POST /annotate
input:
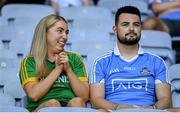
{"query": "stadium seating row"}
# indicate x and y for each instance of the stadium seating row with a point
(90, 35)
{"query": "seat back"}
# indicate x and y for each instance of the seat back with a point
(12, 109)
(91, 12)
(18, 13)
(113, 5)
(13, 87)
(140, 110)
(158, 43)
(67, 109)
(104, 25)
(6, 99)
(175, 98)
(35, 11)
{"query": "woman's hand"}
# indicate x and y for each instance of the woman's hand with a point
(64, 60)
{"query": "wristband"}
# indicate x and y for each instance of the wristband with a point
(155, 106)
(116, 107)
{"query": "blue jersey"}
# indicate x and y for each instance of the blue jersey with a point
(129, 82)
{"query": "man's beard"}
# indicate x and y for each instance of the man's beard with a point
(128, 41)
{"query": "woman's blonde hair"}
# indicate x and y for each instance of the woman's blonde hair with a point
(39, 43)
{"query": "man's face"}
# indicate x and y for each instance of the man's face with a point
(128, 30)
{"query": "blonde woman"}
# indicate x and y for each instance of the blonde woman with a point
(50, 75)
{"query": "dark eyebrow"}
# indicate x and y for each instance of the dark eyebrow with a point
(124, 22)
(137, 22)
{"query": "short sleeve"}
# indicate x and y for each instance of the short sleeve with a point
(97, 75)
(78, 66)
(161, 71)
(27, 71)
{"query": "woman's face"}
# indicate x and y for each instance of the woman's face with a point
(57, 37)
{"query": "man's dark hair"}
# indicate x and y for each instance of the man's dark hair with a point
(127, 9)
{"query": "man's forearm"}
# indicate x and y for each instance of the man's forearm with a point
(100, 103)
(104, 104)
(161, 8)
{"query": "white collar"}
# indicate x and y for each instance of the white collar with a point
(117, 52)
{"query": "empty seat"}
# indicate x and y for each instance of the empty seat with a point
(175, 97)
(91, 12)
(7, 74)
(6, 35)
(6, 99)
(24, 33)
(85, 34)
(3, 21)
(13, 87)
(17, 92)
(91, 50)
(1, 84)
(67, 109)
(21, 21)
(113, 5)
(18, 32)
(174, 76)
(140, 110)
(159, 43)
(104, 25)
(12, 109)
(35, 11)
(1, 45)
(8, 59)
(21, 47)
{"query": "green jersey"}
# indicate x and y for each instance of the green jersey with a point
(61, 89)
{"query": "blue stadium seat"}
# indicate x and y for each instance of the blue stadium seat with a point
(67, 109)
(35, 11)
(90, 50)
(12, 86)
(6, 100)
(17, 38)
(174, 75)
(175, 97)
(20, 99)
(174, 78)
(6, 35)
(8, 61)
(113, 5)
(139, 110)
(21, 21)
(104, 25)
(1, 84)
(1, 45)
(21, 47)
(12, 109)
(91, 12)
(3, 21)
(158, 43)
(86, 34)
